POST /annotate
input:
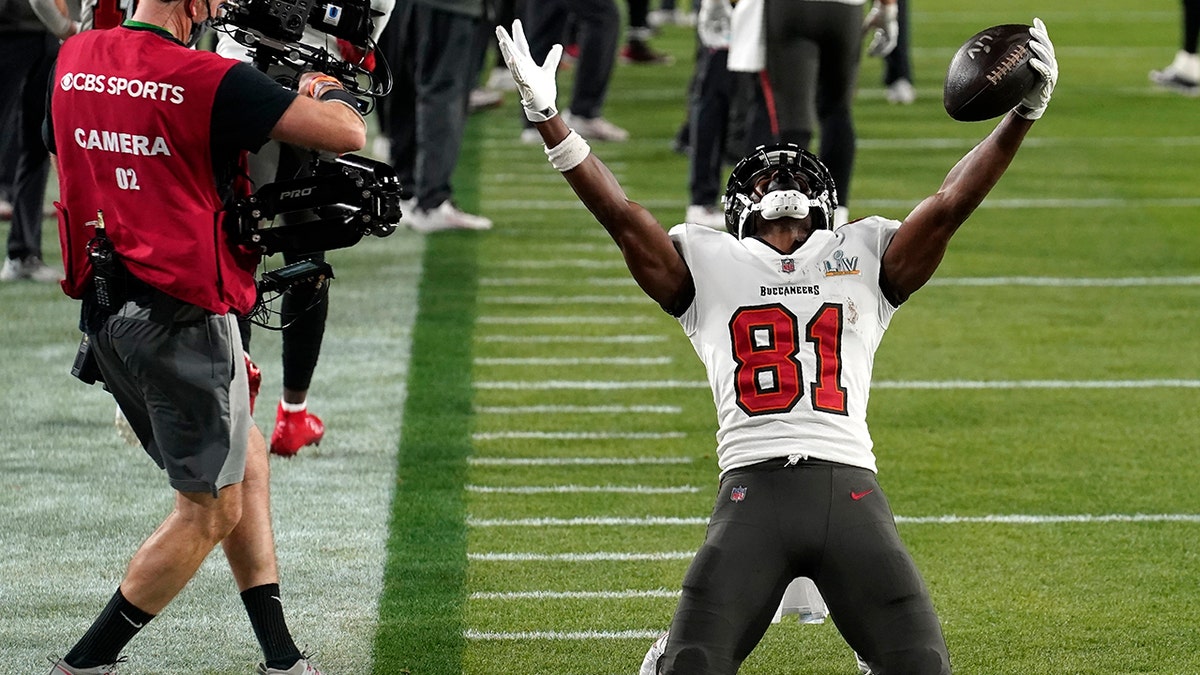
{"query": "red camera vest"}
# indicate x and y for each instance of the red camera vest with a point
(132, 114)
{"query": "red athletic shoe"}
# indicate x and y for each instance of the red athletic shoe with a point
(254, 380)
(294, 430)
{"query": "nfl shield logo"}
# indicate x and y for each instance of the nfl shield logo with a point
(738, 494)
(787, 265)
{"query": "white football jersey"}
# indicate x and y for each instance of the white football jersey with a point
(789, 339)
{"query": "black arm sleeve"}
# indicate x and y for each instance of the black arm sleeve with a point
(248, 105)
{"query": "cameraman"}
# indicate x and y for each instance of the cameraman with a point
(148, 135)
(304, 307)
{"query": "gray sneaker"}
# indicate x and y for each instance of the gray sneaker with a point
(302, 667)
(596, 128)
(446, 216)
(60, 667)
(31, 268)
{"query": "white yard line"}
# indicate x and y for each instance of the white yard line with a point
(555, 320)
(557, 635)
(951, 519)
(582, 489)
(581, 557)
(579, 409)
(867, 204)
(575, 435)
(542, 385)
(575, 461)
(576, 595)
(579, 361)
(563, 339)
(1050, 282)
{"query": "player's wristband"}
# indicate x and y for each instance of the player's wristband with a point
(569, 153)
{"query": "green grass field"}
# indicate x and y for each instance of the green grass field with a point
(519, 459)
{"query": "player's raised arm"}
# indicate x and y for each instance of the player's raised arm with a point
(648, 251)
(921, 241)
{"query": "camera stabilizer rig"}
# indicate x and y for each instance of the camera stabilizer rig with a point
(352, 197)
(347, 198)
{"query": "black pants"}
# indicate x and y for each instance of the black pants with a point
(813, 52)
(425, 115)
(775, 521)
(898, 64)
(598, 23)
(28, 58)
(726, 108)
(305, 307)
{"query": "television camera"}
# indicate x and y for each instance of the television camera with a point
(274, 30)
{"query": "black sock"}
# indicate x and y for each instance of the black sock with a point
(266, 616)
(112, 630)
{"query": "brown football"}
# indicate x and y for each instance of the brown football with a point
(990, 74)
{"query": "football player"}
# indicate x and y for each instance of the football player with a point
(786, 313)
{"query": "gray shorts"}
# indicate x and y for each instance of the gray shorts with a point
(829, 522)
(180, 379)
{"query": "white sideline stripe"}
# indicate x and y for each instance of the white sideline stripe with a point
(1066, 282)
(575, 461)
(575, 595)
(577, 489)
(586, 409)
(567, 339)
(885, 384)
(554, 320)
(472, 634)
(1003, 519)
(587, 360)
(558, 299)
(575, 435)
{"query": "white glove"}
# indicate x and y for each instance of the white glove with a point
(535, 83)
(714, 23)
(885, 21)
(1043, 61)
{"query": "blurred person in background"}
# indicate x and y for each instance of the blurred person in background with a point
(428, 46)
(812, 54)
(637, 47)
(27, 51)
(598, 27)
(1183, 74)
(897, 65)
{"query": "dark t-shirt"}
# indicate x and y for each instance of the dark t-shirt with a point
(247, 106)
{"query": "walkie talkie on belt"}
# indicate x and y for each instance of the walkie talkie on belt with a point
(108, 277)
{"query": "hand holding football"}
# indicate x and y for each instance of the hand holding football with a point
(990, 74)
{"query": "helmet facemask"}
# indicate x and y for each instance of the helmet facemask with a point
(799, 186)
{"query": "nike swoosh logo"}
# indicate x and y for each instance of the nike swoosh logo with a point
(859, 495)
(131, 621)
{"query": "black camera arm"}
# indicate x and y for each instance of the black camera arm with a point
(352, 196)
